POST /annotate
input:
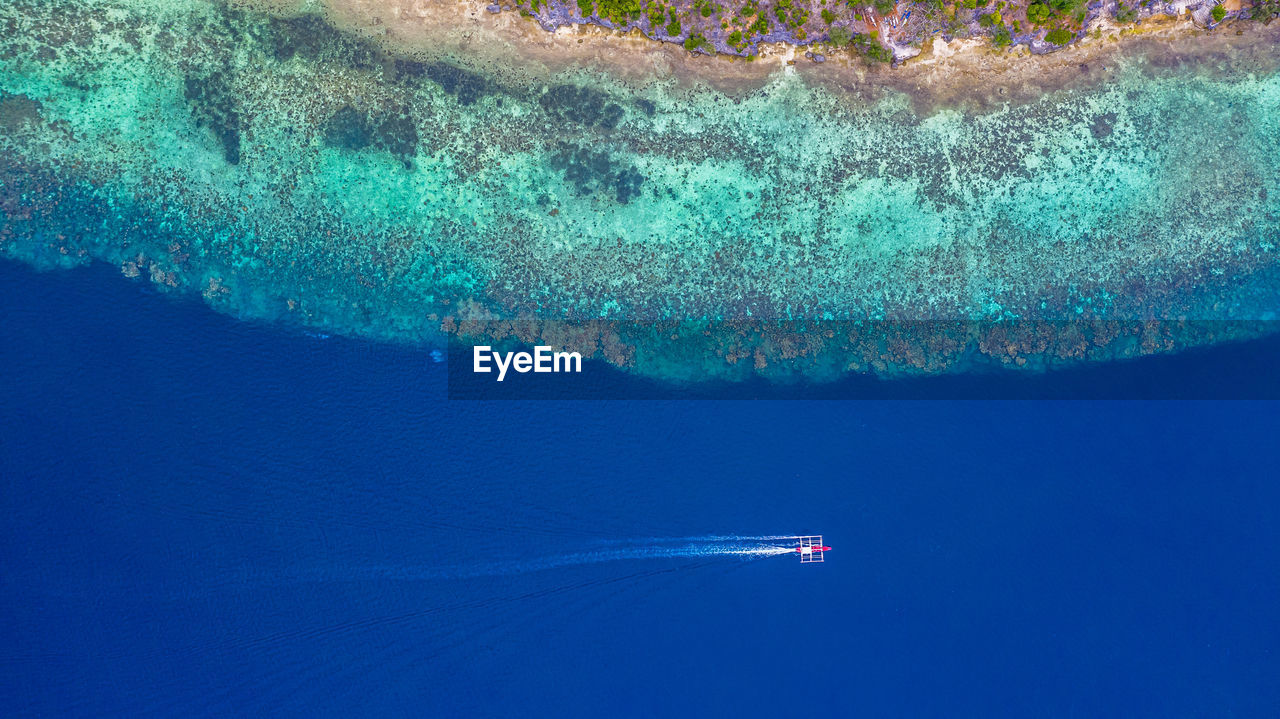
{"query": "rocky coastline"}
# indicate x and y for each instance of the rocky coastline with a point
(892, 36)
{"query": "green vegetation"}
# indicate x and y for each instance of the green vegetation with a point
(1265, 9)
(695, 41)
(1059, 36)
(879, 53)
(744, 20)
(791, 17)
(620, 12)
(1218, 13)
(1041, 12)
(870, 46)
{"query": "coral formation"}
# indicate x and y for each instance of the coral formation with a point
(289, 171)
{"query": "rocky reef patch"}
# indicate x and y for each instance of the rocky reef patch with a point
(286, 170)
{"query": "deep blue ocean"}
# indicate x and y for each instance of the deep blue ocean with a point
(210, 517)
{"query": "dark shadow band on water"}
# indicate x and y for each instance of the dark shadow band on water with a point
(1243, 369)
(94, 310)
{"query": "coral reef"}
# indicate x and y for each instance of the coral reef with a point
(285, 170)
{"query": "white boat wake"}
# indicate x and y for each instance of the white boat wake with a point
(707, 549)
(702, 550)
(675, 548)
(707, 538)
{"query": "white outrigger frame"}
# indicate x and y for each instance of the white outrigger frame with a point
(807, 555)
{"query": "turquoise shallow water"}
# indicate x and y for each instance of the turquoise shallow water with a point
(288, 171)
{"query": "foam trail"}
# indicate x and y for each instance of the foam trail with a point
(704, 538)
(739, 550)
(650, 552)
(664, 548)
(715, 549)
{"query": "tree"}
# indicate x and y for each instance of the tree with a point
(1059, 36)
(694, 41)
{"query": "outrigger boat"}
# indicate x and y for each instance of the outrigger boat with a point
(812, 549)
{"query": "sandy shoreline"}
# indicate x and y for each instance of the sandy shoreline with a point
(962, 73)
